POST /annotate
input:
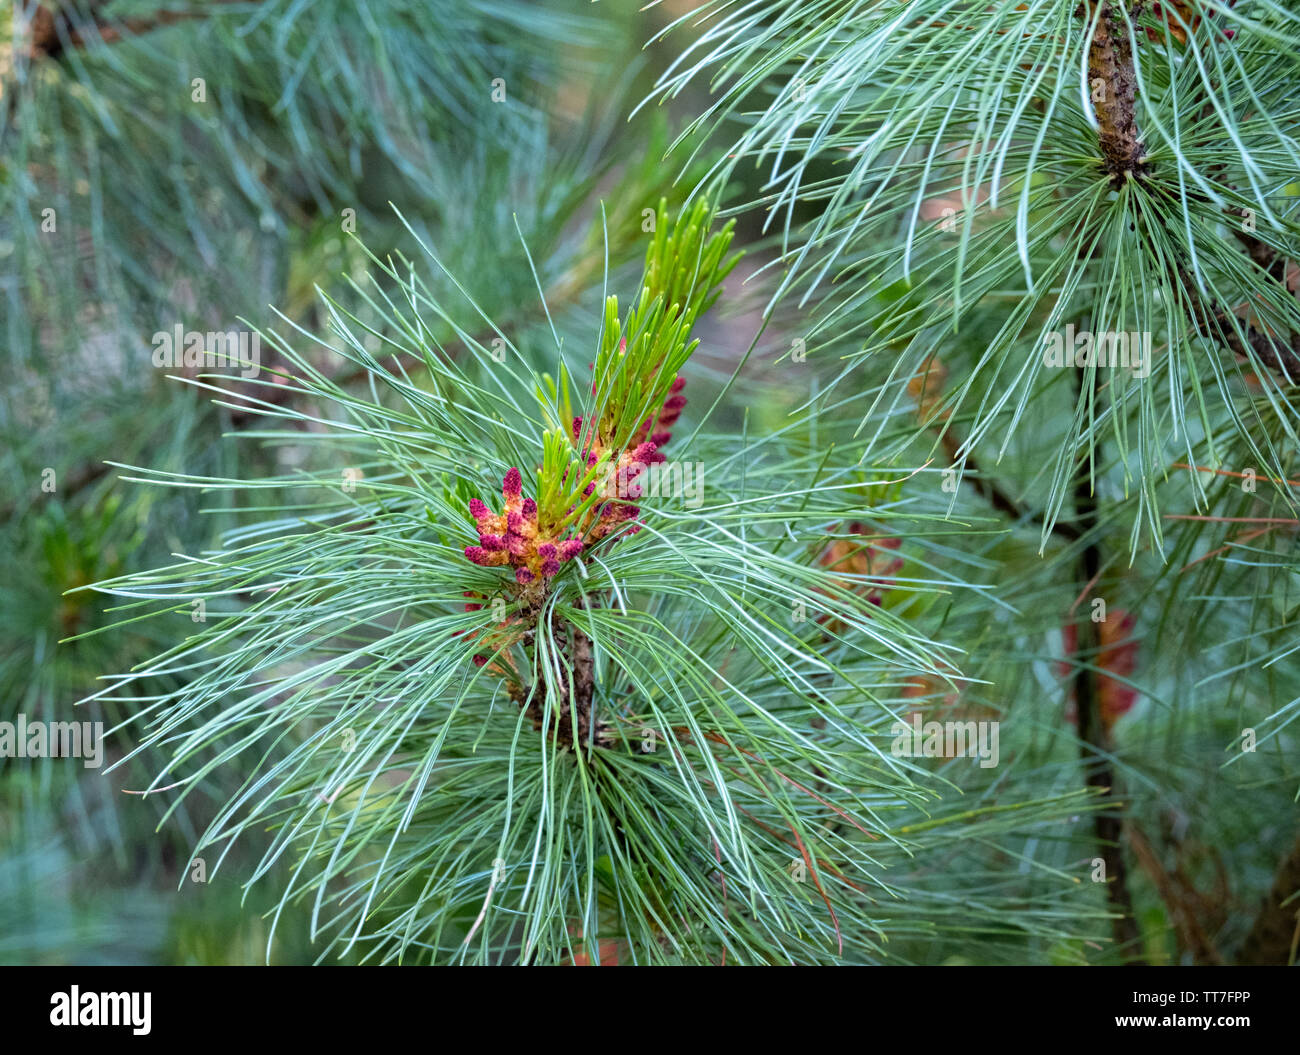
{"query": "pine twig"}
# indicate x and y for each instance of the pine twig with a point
(1094, 749)
(52, 29)
(1184, 904)
(1110, 62)
(987, 488)
(574, 721)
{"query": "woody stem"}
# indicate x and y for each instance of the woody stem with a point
(1114, 83)
(573, 722)
(1094, 747)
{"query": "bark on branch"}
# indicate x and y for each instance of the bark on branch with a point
(573, 722)
(56, 28)
(1113, 78)
(1094, 746)
(1114, 93)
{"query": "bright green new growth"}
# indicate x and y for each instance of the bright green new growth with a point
(562, 482)
(684, 270)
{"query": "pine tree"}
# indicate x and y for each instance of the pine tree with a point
(1065, 234)
(497, 618)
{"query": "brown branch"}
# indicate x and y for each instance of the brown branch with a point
(1273, 937)
(563, 294)
(56, 28)
(79, 478)
(1113, 74)
(987, 488)
(574, 720)
(1260, 252)
(926, 387)
(1188, 910)
(1094, 746)
(1280, 356)
(1110, 62)
(1277, 355)
(287, 394)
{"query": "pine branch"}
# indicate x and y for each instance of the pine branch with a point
(51, 30)
(1110, 62)
(54, 28)
(1094, 748)
(572, 721)
(1111, 65)
(926, 388)
(1280, 356)
(988, 488)
(1264, 255)
(1183, 903)
(77, 480)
